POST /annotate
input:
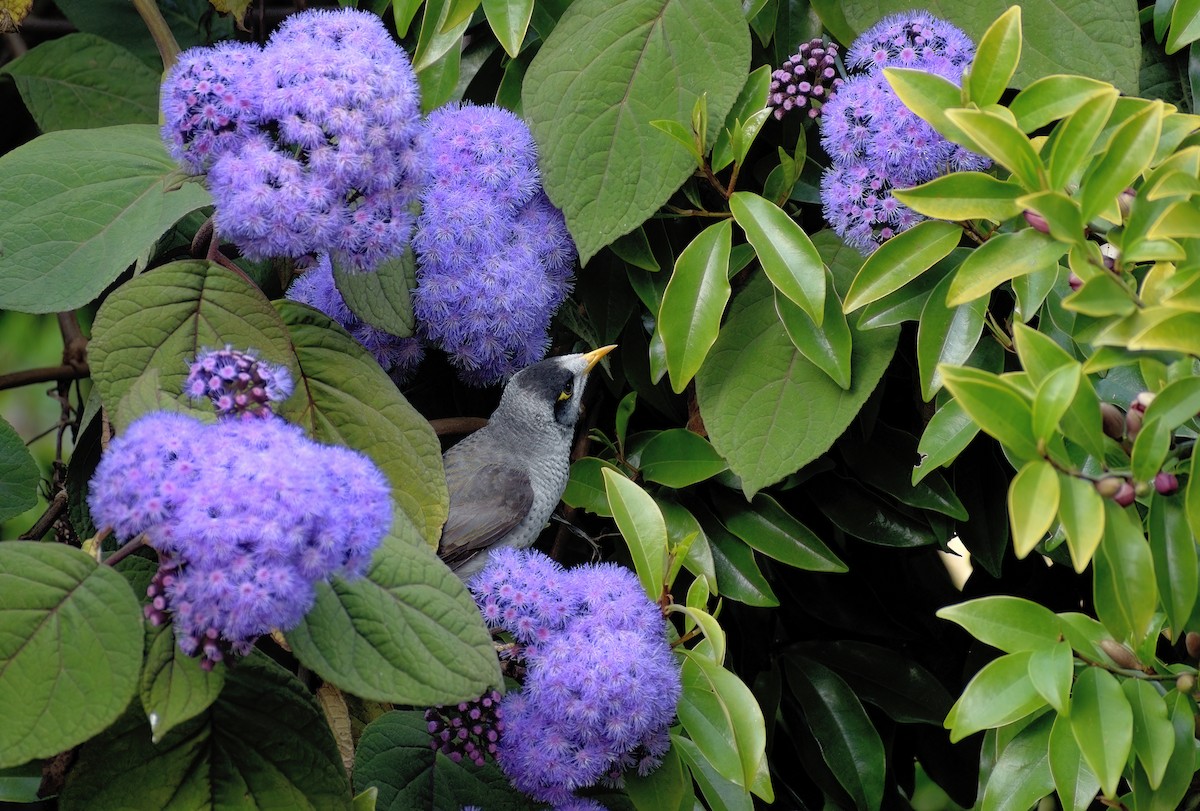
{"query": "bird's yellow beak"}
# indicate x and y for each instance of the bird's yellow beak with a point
(594, 356)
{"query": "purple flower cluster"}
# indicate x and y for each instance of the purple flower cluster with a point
(494, 256)
(308, 144)
(601, 682)
(875, 142)
(316, 288)
(469, 729)
(237, 383)
(808, 78)
(246, 515)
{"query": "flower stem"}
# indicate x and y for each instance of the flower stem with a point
(168, 48)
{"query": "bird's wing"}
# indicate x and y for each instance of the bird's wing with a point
(486, 503)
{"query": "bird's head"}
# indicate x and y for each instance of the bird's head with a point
(551, 391)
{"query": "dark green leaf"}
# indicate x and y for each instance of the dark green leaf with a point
(1102, 723)
(1021, 776)
(828, 346)
(1127, 156)
(770, 529)
(903, 258)
(1153, 735)
(678, 458)
(585, 488)
(1182, 766)
(642, 525)
(19, 474)
(1176, 568)
(996, 406)
(509, 20)
(173, 686)
(787, 255)
(694, 301)
(945, 437)
(1074, 780)
(719, 792)
(864, 515)
(1001, 258)
(667, 788)
(1124, 587)
(738, 575)
(946, 335)
(383, 297)
(1050, 670)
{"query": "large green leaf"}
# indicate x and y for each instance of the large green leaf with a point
(829, 346)
(191, 21)
(787, 255)
(608, 70)
(678, 457)
(263, 744)
(1124, 588)
(1074, 780)
(1000, 693)
(173, 686)
(1021, 776)
(80, 81)
(1102, 723)
(720, 792)
(70, 648)
(945, 437)
(643, 527)
(1001, 258)
(1088, 37)
(408, 632)
(770, 529)
(19, 474)
(1011, 624)
(1153, 734)
(768, 410)
(383, 297)
(946, 335)
(903, 258)
(997, 406)
(962, 196)
(106, 192)
(694, 301)
(996, 59)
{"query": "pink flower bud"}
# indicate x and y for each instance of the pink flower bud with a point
(1166, 483)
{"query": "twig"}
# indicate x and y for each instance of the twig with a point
(25, 377)
(40, 527)
(453, 426)
(126, 550)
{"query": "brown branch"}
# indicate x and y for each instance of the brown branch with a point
(453, 426)
(26, 377)
(126, 550)
(40, 527)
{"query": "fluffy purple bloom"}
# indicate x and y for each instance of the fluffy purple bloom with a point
(209, 103)
(807, 79)
(246, 515)
(316, 288)
(237, 383)
(913, 39)
(494, 257)
(601, 681)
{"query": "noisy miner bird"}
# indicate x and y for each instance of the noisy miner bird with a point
(506, 478)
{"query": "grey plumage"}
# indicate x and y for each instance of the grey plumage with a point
(506, 478)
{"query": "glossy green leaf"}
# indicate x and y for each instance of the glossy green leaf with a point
(1054, 396)
(70, 648)
(1124, 588)
(996, 58)
(664, 789)
(81, 80)
(1176, 333)
(849, 742)
(713, 633)
(1032, 504)
(681, 525)
(930, 96)
(1074, 780)
(1176, 568)
(1021, 775)
(608, 69)
(1000, 140)
(1061, 213)
(901, 259)
(690, 316)
(173, 686)
(718, 791)
(769, 528)
(382, 298)
(998, 409)
(1127, 156)
(1031, 291)
(1101, 296)
(1011, 624)
(946, 436)
(738, 575)
(788, 256)
(827, 346)
(751, 99)
(1001, 258)
(585, 488)
(1150, 449)
(442, 27)
(1153, 734)
(678, 457)
(361, 634)
(1050, 670)
(19, 474)
(768, 410)
(106, 191)
(946, 335)
(1075, 136)
(1185, 25)
(1081, 511)
(1102, 723)
(642, 525)
(1177, 403)
(509, 20)
(861, 513)
(1181, 768)
(999, 694)
(961, 196)
(1053, 97)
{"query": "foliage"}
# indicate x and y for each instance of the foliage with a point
(784, 447)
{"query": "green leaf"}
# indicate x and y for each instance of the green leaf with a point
(80, 81)
(724, 720)
(1150, 449)
(681, 525)
(751, 99)
(946, 335)
(1153, 734)
(945, 437)
(997, 407)
(642, 525)
(664, 789)
(1054, 396)
(408, 632)
(768, 410)
(70, 648)
(1011, 624)
(719, 792)
(902, 258)
(875, 519)
(788, 256)
(1177, 403)
(930, 96)
(827, 346)
(383, 297)
(769, 528)
(263, 744)
(394, 757)
(690, 316)
(961, 196)
(1102, 723)
(1081, 511)
(1126, 156)
(1001, 258)
(1123, 582)
(1062, 214)
(585, 488)
(602, 75)
(509, 20)
(1074, 137)
(679, 458)
(1182, 765)
(1185, 25)
(174, 688)
(119, 22)
(1100, 297)
(19, 474)
(1032, 504)
(1050, 670)
(996, 59)
(738, 575)
(1074, 780)
(1176, 568)
(442, 27)
(106, 191)
(1053, 97)
(849, 742)
(1000, 140)
(1000, 693)
(1021, 775)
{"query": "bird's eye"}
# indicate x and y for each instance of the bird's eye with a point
(565, 394)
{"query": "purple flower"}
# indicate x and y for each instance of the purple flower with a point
(209, 103)
(237, 383)
(468, 730)
(806, 79)
(914, 39)
(494, 256)
(315, 287)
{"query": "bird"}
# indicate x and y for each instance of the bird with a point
(506, 478)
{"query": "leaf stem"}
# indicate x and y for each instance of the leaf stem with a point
(160, 32)
(126, 550)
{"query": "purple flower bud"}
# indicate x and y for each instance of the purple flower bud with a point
(1166, 483)
(1036, 221)
(1125, 494)
(804, 78)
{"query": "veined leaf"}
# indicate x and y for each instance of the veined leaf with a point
(788, 256)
